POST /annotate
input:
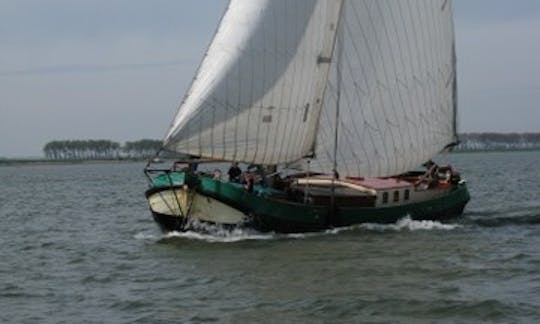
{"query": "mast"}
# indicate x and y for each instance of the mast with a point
(339, 48)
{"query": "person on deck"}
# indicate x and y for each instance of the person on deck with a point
(249, 182)
(234, 172)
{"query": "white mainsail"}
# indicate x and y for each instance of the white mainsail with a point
(397, 86)
(266, 91)
(259, 91)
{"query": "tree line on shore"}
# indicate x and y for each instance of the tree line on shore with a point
(498, 141)
(147, 148)
(100, 149)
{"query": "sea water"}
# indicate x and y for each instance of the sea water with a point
(78, 245)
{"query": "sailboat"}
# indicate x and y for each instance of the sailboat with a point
(340, 107)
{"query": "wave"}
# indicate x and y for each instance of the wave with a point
(408, 224)
(219, 234)
(145, 236)
(498, 221)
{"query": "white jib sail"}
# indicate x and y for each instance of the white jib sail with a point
(397, 106)
(258, 93)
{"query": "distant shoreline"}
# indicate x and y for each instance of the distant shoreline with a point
(536, 149)
(40, 162)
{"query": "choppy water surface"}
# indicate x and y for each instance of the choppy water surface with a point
(77, 244)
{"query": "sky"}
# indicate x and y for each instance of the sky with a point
(118, 69)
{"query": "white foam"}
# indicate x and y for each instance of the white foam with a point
(409, 224)
(215, 233)
(145, 236)
(222, 235)
(218, 234)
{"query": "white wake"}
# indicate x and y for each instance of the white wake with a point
(219, 234)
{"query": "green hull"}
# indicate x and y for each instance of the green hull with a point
(268, 213)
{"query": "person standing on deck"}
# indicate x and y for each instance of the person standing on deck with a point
(234, 172)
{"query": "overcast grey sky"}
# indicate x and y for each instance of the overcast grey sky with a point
(117, 69)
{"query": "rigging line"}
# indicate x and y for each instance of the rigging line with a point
(307, 89)
(335, 35)
(377, 43)
(356, 48)
(323, 134)
(341, 155)
(227, 126)
(295, 66)
(454, 64)
(324, 155)
(373, 65)
(306, 191)
(190, 132)
(283, 88)
(250, 109)
(237, 113)
(190, 197)
(345, 136)
(171, 187)
(350, 102)
(436, 16)
(346, 96)
(391, 55)
(306, 86)
(454, 71)
(167, 203)
(429, 51)
(216, 103)
(428, 86)
(455, 97)
(263, 85)
(367, 95)
(194, 79)
(212, 145)
(271, 92)
(321, 41)
(310, 85)
(325, 145)
(437, 19)
(304, 26)
(339, 44)
(418, 95)
(284, 85)
(200, 136)
(409, 64)
(401, 63)
(211, 84)
(301, 25)
(317, 102)
(226, 122)
(325, 129)
(322, 101)
(327, 41)
(154, 157)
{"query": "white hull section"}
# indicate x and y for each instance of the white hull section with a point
(195, 206)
